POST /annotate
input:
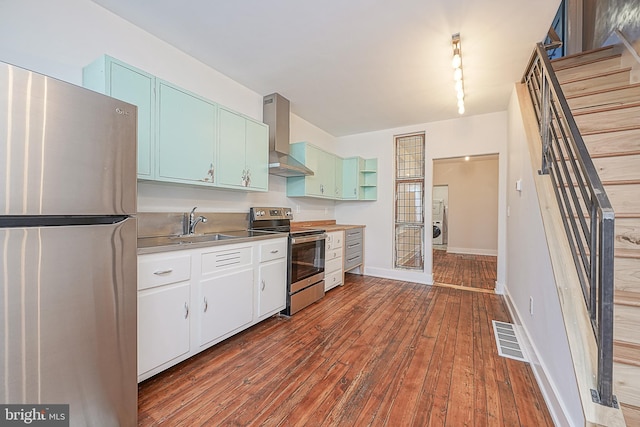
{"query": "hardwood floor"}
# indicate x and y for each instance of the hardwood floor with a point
(372, 352)
(474, 271)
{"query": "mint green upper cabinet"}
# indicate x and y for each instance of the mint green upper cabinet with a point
(126, 83)
(360, 179)
(186, 136)
(322, 183)
(338, 177)
(243, 151)
(350, 178)
(257, 154)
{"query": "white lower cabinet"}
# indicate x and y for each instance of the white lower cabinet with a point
(191, 299)
(226, 304)
(163, 325)
(333, 272)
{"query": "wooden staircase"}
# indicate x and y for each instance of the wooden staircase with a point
(603, 92)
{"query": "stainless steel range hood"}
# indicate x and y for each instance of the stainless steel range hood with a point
(275, 113)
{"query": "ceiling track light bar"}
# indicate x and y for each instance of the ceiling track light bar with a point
(456, 62)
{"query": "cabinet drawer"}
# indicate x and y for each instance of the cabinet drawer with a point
(334, 240)
(220, 260)
(163, 269)
(353, 234)
(353, 248)
(333, 254)
(332, 265)
(352, 261)
(273, 250)
(332, 280)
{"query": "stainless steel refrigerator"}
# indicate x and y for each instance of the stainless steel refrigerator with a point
(67, 249)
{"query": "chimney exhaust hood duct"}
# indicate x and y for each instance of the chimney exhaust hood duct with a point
(275, 113)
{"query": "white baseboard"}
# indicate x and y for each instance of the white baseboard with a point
(554, 401)
(472, 251)
(404, 275)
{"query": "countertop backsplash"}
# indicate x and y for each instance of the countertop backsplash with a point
(154, 224)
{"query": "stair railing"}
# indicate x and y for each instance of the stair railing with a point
(585, 208)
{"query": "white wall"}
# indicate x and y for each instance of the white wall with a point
(473, 135)
(529, 275)
(59, 38)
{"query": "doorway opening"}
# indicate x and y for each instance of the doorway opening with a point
(465, 210)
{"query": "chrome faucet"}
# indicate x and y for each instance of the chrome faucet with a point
(190, 221)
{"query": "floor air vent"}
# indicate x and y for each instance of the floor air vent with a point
(507, 341)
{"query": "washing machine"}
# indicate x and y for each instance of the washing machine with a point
(437, 233)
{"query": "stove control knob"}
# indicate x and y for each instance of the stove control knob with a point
(261, 213)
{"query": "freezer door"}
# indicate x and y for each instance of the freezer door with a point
(68, 298)
(64, 150)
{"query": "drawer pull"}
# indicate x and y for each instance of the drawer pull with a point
(163, 272)
(206, 304)
(263, 285)
(275, 251)
(351, 259)
(186, 310)
(353, 246)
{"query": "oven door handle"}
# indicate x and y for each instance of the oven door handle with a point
(307, 239)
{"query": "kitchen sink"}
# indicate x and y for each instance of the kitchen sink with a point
(199, 238)
(182, 241)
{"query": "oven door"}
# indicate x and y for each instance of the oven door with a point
(307, 259)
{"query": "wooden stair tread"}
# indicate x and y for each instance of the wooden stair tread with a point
(610, 80)
(594, 68)
(616, 142)
(611, 118)
(607, 130)
(603, 98)
(628, 298)
(627, 253)
(581, 55)
(588, 61)
(626, 352)
(614, 154)
(595, 76)
(607, 109)
(604, 90)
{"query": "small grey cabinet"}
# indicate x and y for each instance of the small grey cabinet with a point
(353, 248)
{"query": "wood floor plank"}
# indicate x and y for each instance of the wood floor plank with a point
(480, 413)
(372, 352)
(461, 392)
(439, 408)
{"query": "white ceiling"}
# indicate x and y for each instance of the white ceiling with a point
(351, 66)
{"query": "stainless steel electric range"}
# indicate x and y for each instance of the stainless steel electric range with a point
(305, 270)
